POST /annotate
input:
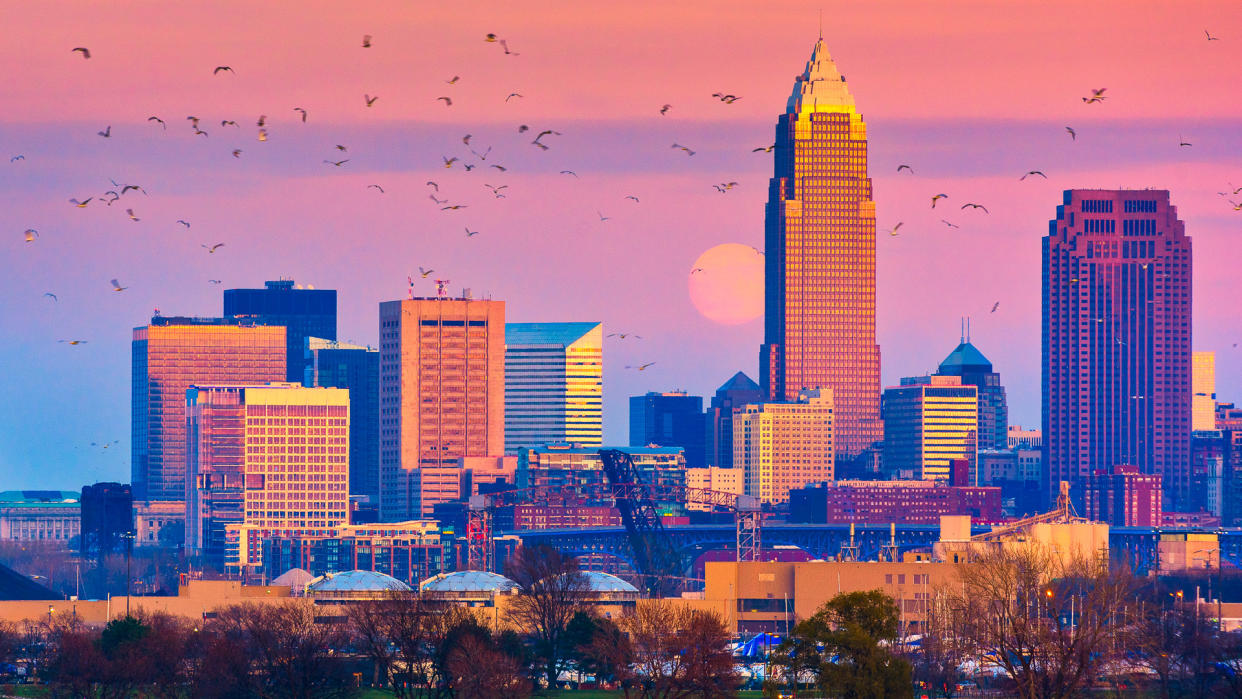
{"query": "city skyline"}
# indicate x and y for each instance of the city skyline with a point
(266, 204)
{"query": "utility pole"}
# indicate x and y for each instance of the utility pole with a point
(129, 579)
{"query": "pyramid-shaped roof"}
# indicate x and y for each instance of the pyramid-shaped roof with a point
(966, 357)
(821, 87)
(739, 382)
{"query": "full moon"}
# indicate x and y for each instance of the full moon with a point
(726, 284)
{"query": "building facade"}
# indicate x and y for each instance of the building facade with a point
(782, 446)
(170, 355)
(107, 517)
(819, 317)
(886, 502)
(40, 515)
(1019, 437)
(718, 432)
(408, 551)
(554, 384)
(928, 422)
(581, 469)
(303, 311)
(670, 419)
(1203, 384)
(275, 457)
(331, 364)
(442, 392)
(1124, 497)
(1116, 340)
(968, 364)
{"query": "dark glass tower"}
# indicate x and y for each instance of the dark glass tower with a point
(332, 364)
(820, 259)
(306, 312)
(974, 369)
(1116, 340)
(735, 393)
(672, 419)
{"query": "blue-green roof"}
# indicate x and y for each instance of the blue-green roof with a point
(965, 356)
(739, 382)
(603, 582)
(468, 581)
(546, 333)
(40, 497)
(356, 581)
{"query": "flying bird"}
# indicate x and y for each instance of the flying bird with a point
(448, 162)
(547, 132)
(1097, 95)
(31, 234)
(81, 204)
(763, 149)
(523, 128)
(448, 102)
(453, 80)
(1183, 142)
(433, 184)
(184, 223)
(17, 158)
(220, 69)
(640, 367)
(502, 168)
(262, 120)
(438, 201)
(1033, 172)
(337, 163)
(237, 152)
(905, 167)
(86, 53)
(137, 188)
(681, 147)
(539, 145)
(116, 285)
(696, 269)
(51, 295)
(454, 207)
(505, 45)
(161, 121)
(602, 217)
(214, 281)
(938, 197)
(1205, 32)
(107, 133)
(296, 109)
(483, 155)
(511, 95)
(366, 41)
(262, 134)
(496, 190)
(132, 217)
(199, 132)
(1073, 134)
(228, 122)
(370, 100)
(569, 172)
(727, 99)
(894, 231)
(664, 109)
(995, 306)
(631, 196)
(625, 335)
(212, 248)
(470, 233)
(950, 225)
(73, 342)
(1236, 205)
(976, 206)
(381, 189)
(425, 272)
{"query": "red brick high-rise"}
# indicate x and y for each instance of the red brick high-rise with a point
(1116, 340)
(820, 257)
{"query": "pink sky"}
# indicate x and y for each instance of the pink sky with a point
(971, 94)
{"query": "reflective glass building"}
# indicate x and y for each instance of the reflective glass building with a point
(820, 257)
(1116, 341)
(671, 419)
(305, 311)
(968, 363)
(332, 364)
(929, 421)
(554, 384)
(170, 355)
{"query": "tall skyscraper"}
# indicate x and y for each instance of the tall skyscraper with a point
(1116, 340)
(671, 419)
(275, 457)
(304, 311)
(819, 324)
(442, 392)
(968, 363)
(332, 364)
(554, 384)
(1203, 380)
(718, 431)
(170, 355)
(783, 446)
(929, 421)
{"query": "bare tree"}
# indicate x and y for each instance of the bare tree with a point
(676, 652)
(1049, 623)
(551, 590)
(480, 670)
(938, 659)
(402, 634)
(292, 649)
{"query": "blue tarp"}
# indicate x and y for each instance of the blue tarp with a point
(759, 646)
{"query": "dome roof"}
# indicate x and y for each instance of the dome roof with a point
(468, 581)
(356, 581)
(603, 582)
(295, 578)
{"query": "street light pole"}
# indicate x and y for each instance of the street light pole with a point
(129, 578)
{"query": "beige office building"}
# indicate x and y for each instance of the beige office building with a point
(1203, 383)
(782, 446)
(715, 478)
(442, 393)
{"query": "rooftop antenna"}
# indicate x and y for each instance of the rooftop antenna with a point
(410, 296)
(962, 339)
(441, 285)
(821, 24)
(968, 328)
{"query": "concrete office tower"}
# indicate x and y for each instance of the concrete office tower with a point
(968, 363)
(442, 392)
(928, 422)
(1203, 383)
(332, 364)
(170, 355)
(304, 310)
(718, 431)
(275, 457)
(783, 446)
(819, 317)
(1116, 340)
(554, 384)
(672, 419)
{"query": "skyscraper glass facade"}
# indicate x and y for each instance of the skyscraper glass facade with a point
(672, 419)
(968, 363)
(929, 421)
(554, 384)
(304, 311)
(1116, 361)
(333, 364)
(820, 257)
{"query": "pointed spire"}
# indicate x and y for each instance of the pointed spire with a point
(821, 87)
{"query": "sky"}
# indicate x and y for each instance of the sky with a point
(971, 95)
